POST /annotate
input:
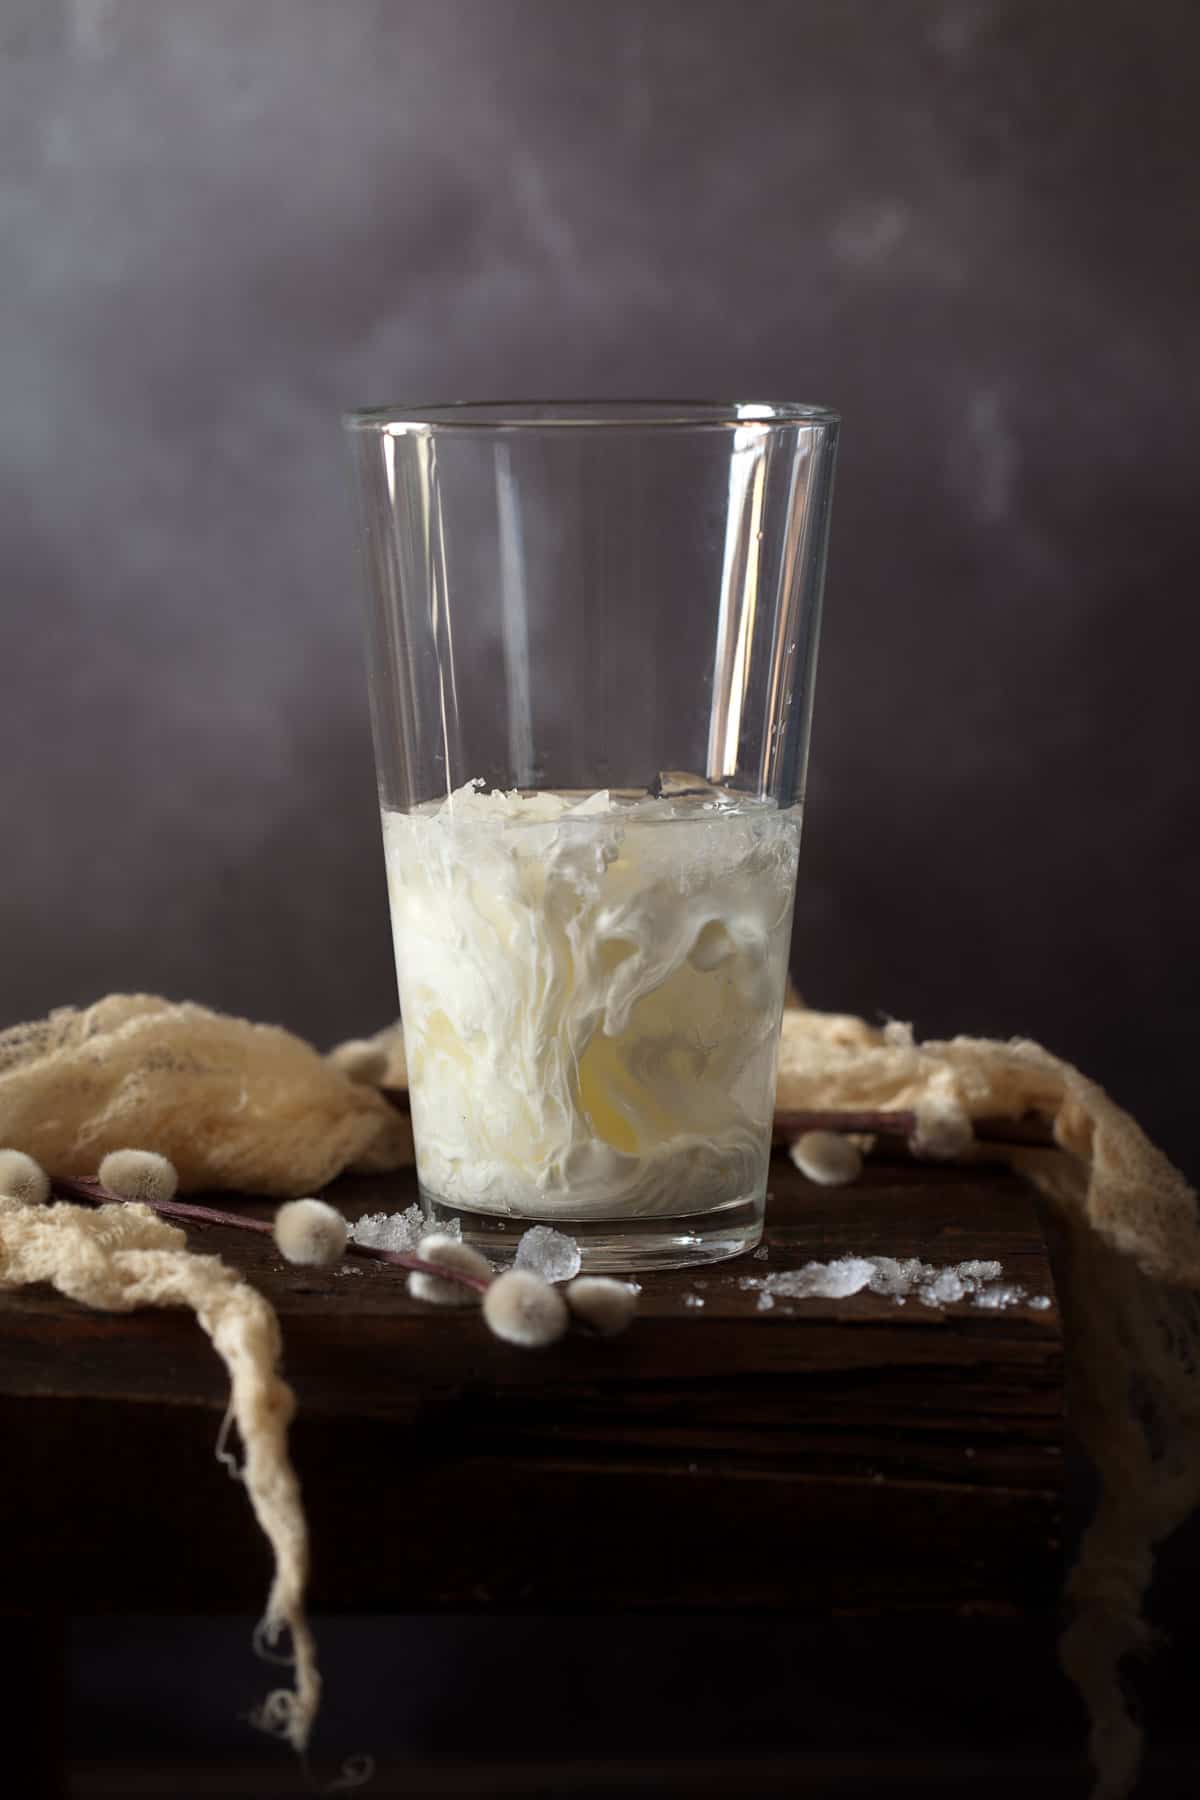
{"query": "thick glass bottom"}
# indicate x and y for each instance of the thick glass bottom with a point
(619, 1246)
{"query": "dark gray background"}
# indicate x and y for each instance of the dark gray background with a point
(972, 227)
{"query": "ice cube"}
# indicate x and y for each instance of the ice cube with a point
(549, 1253)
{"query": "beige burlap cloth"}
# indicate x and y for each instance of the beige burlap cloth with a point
(252, 1108)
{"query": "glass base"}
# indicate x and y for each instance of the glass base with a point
(618, 1246)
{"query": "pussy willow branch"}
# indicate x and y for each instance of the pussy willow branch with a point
(78, 1188)
(895, 1123)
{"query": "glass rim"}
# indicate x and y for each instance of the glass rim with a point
(586, 415)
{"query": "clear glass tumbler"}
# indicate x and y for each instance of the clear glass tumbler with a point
(592, 642)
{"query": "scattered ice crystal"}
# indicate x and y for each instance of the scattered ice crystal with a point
(896, 1278)
(400, 1231)
(693, 1299)
(826, 1281)
(999, 1295)
(549, 1253)
(1040, 1302)
(761, 1254)
(978, 1271)
(942, 1289)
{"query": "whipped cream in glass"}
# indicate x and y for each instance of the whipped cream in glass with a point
(591, 989)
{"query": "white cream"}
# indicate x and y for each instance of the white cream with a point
(591, 992)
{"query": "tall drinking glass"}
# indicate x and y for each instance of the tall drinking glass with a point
(592, 641)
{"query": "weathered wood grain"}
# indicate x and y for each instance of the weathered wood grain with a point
(848, 1454)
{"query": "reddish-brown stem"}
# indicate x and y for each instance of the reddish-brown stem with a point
(897, 1123)
(789, 1125)
(80, 1188)
(83, 1188)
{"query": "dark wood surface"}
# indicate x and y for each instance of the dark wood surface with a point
(847, 1454)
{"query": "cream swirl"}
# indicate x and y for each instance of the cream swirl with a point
(591, 991)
